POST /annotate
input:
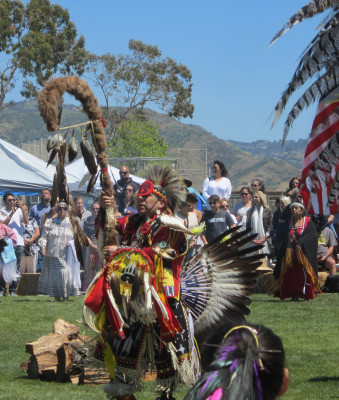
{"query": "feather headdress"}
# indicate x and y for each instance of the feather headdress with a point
(168, 185)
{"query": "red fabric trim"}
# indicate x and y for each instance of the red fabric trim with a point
(95, 297)
(322, 137)
(322, 115)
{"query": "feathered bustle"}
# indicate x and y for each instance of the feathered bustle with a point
(216, 282)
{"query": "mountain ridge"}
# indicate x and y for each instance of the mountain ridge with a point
(21, 123)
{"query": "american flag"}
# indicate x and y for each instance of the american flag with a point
(320, 174)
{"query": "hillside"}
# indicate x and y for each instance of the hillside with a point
(242, 165)
(21, 123)
(292, 152)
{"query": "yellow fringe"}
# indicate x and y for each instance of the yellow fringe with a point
(275, 284)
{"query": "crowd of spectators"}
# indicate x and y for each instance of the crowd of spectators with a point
(42, 238)
(285, 232)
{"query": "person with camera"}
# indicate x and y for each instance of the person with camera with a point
(14, 217)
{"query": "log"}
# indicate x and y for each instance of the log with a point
(62, 327)
(70, 357)
(49, 374)
(76, 379)
(43, 364)
(60, 357)
(33, 368)
(66, 357)
(96, 376)
(49, 342)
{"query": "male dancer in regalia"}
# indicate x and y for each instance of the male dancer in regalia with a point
(136, 299)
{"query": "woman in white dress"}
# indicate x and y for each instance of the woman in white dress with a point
(60, 275)
(219, 184)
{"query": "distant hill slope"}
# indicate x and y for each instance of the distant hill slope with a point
(292, 152)
(21, 123)
(243, 164)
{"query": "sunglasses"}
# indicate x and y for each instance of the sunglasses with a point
(224, 207)
(212, 203)
(254, 185)
(62, 208)
(10, 200)
(214, 167)
(244, 194)
(123, 172)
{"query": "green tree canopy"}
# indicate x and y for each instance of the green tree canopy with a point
(139, 78)
(37, 39)
(138, 138)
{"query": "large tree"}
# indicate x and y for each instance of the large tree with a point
(139, 78)
(37, 39)
(138, 138)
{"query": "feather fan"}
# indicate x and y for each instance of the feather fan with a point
(216, 282)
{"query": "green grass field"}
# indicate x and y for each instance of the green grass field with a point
(309, 331)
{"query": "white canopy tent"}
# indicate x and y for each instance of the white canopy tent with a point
(78, 169)
(23, 173)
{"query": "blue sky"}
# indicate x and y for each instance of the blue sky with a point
(237, 78)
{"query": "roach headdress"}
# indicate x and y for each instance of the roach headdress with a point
(165, 183)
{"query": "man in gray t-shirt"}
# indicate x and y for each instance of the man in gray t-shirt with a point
(217, 221)
(326, 245)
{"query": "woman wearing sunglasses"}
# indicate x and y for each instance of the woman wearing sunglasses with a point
(60, 275)
(217, 184)
(127, 204)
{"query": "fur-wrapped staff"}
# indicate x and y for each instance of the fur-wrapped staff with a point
(48, 99)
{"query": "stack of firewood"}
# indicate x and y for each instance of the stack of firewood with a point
(60, 356)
